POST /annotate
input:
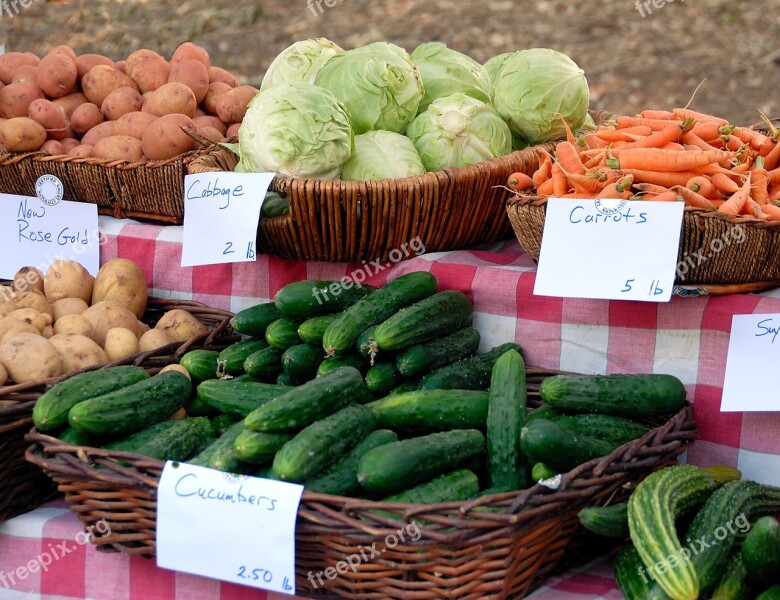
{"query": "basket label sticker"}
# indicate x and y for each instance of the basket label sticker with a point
(221, 216)
(229, 527)
(36, 234)
(754, 340)
(610, 249)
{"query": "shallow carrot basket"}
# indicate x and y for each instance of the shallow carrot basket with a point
(25, 487)
(495, 547)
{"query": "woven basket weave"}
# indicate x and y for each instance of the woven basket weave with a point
(711, 255)
(495, 547)
(24, 486)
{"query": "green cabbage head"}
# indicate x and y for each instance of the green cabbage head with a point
(457, 131)
(446, 72)
(297, 130)
(299, 62)
(379, 85)
(493, 66)
(382, 155)
(535, 88)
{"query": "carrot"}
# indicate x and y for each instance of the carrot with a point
(651, 188)
(595, 141)
(686, 113)
(520, 182)
(772, 211)
(673, 146)
(731, 142)
(596, 160)
(773, 176)
(712, 169)
(569, 135)
(774, 194)
(754, 209)
(546, 189)
(656, 159)
(654, 124)
(569, 158)
(619, 189)
(755, 139)
(665, 197)
(692, 198)
(622, 135)
(659, 114)
(772, 158)
(760, 183)
(670, 133)
(707, 131)
(560, 184)
(692, 139)
(703, 185)
(543, 172)
(663, 178)
(579, 195)
(723, 183)
(734, 205)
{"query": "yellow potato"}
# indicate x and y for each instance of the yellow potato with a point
(74, 324)
(119, 147)
(11, 327)
(6, 308)
(3, 374)
(47, 332)
(122, 281)
(57, 75)
(120, 102)
(30, 357)
(85, 117)
(181, 325)
(106, 315)
(165, 139)
(68, 306)
(77, 352)
(154, 339)
(178, 368)
(67, 279)
(141, 328)
(34, 300)
(22, 134)
(31, 316)
(170, 99)
(121, 343)
(101, 80)
(28, 279)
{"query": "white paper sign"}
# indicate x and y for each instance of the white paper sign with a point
(36, 234)
(611, 249)
(754, 346)
(229, 527)
(221, 215)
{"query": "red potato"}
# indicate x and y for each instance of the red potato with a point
(26, 74)
(199, 112)
(12, 61)
(171, 98)
(120, 102)
(209, 102)
(119, 147)
(209, 121)
(101, 80)
(69, 143)
(147, 69)
(194, 75)
(53, 147)
(57, 75)
(134, 124)
(71, 102)
(22, 134)
(15, 99)
(121, 65)
(48, 114)
(98, 132)
(211, 134)
(86, 61)
(164, 138)
(232, 130)
(220, 75)
(63, 50)
(190, 51)
(231, 105)
(81, 151)
(85, 117)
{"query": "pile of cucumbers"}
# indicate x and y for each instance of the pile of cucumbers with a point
(367, 392)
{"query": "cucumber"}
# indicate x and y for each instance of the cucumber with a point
(428, 411)
(223, 422)
(366, 344)
(407, 386)
(275, 206)
(469, 373)
(733, 585)
(629, 396)
(265, 364)
(169, 440)
(286, 380)
(426, 320)
(259, 448)
(310, 298)
(545, 411)
(451, 487)
(336, 362)
(761, 551)
(134, 407)
(340, 478)
(772, 593)
(198, 408)
(312, 330)
(632, 578)
(200, 364)
(221, 451)
(302, 361)
(254, 320)
(51, 410)
(399, 465)
(541, 471)
(238, 398)
(544, 441)
(505, 418)
(309, 402)
(606, 521)
(283, 334)
(264, 472)
(617, 430)
(323, 442)
(422, 358)
(382, 377)
(74, 437)
(407, 289)
(231, 359)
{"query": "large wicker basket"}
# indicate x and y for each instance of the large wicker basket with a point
(24, 486)
(498, 546)
(719, 254)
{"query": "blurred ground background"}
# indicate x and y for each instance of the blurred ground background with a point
(653, 58)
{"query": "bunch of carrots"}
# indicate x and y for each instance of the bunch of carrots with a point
(679, 155)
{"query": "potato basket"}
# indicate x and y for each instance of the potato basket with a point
(25, 487)
(497, 546)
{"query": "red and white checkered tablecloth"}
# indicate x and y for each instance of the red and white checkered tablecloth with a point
(687, 337)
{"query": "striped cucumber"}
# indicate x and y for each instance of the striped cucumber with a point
(422, 358)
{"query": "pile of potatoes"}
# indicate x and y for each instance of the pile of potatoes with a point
(89, 105)
(67, 320)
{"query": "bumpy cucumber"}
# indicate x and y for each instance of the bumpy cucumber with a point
(265, 364)
(312, 330)
(426, 320)
(259, 448)
(134, 407)
(428, 411)
(51, 410)
(382, 377)
(545, 441)
(310, 298)
(200, 364)
(422, 358)
(169, 440)
(617, 430)
(302, 361)
(254, 320)
(458, 485)
(340, 478)
(231, 359)
(323, 443)
(283, 334)
(470, 373)
(342, 334)
(336, 362)
(238, 397)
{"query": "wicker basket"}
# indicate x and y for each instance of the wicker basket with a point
(464, 550)
(151, 190)
(719, 254)
(24, 485)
